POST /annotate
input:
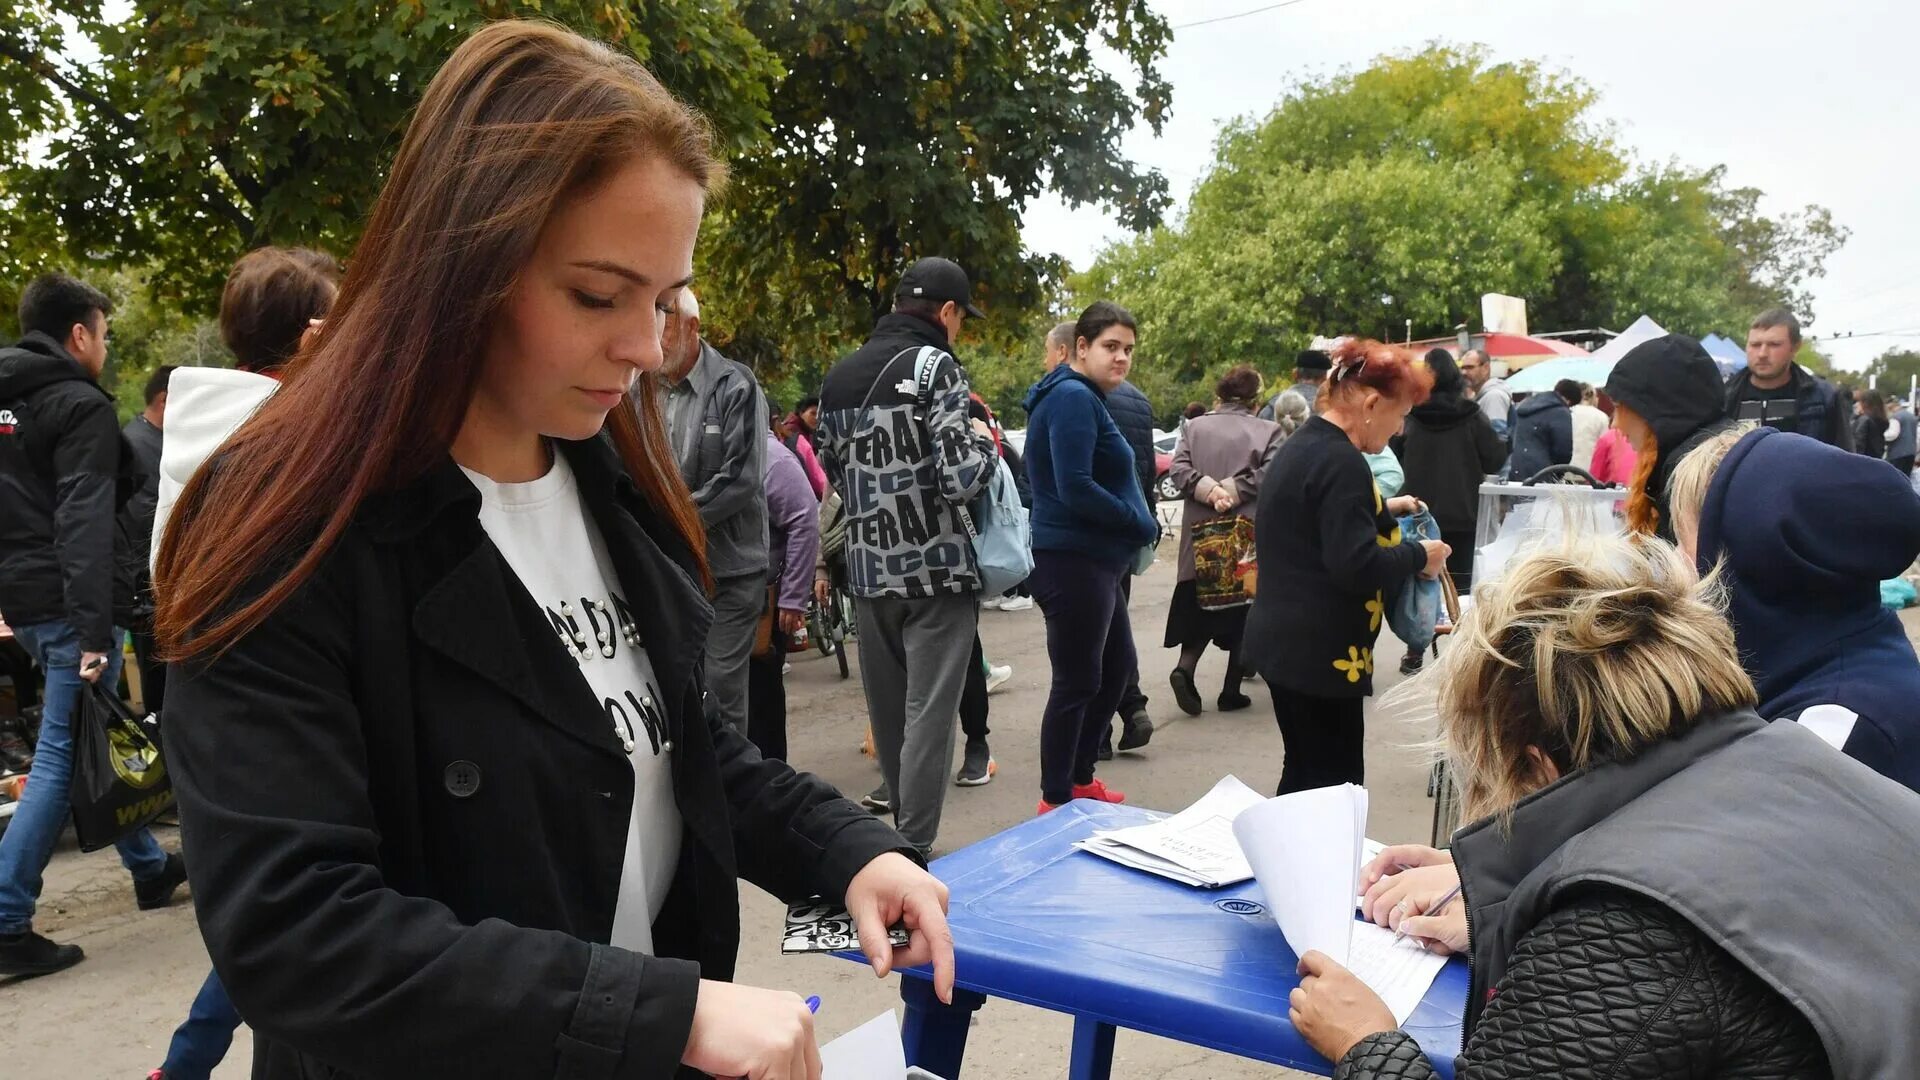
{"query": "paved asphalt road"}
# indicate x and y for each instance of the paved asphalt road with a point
(112, 1015)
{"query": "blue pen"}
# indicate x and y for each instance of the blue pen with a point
(813, 1004)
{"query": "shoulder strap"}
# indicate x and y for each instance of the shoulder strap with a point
(924, 368)
(882, 377)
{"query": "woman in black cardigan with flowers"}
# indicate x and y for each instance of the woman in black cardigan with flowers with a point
(1329, 549)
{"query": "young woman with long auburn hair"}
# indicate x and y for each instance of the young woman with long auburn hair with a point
(454, 806)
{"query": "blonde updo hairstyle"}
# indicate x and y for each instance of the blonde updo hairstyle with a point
(1588, 652)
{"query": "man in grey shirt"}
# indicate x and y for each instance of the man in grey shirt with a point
(1492, 395)
(717, 422)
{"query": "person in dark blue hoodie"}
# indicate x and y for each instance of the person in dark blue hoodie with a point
(1089, 518)
(1543, 431)
(1804, 533)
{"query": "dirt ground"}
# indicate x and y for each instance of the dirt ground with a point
(113, 1015)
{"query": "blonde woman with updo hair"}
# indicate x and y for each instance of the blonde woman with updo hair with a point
(1656, 882)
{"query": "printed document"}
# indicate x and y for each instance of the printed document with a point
(1195, 846)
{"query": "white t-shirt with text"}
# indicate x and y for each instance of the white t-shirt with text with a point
(552, 545)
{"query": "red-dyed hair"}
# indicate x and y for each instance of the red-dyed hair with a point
(1365, 364)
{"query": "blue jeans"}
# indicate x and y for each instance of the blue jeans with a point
(42, 812)
(200, 1043)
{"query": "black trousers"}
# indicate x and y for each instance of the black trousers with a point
(1904, 464)
(973, 697)
(1324, 738)
(1132, 700)
(1090, 643)
(153, 673)
(767, 699)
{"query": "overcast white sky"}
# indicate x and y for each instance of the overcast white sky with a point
(1809, 100)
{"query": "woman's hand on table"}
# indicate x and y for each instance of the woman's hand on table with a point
(895, 889)
(1332, 1009)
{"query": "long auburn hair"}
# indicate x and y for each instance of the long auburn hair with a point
(522, 117)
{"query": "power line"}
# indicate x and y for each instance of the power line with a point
(1241, 15)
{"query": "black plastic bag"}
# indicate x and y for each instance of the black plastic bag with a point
(120, 781)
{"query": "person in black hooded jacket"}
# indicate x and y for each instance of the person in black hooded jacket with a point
(1447, 448)
(1668, 398)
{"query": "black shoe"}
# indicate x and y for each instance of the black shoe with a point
(976, 766)
(157, 892)
(15, 754)
(1184, 695)
(879, 800)
(30, 954)
(1410, 664)
(1137, 732)
(1232, 701)
(1104, 752)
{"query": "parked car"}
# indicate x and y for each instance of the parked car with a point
(1164, 445)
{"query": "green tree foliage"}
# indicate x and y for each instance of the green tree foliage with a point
(1895, 370)
(209, 127)
(1406, 190)
(923, 127)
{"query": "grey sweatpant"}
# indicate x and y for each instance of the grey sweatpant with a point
(737, 604)
(913, 665)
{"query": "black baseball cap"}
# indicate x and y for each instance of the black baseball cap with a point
(935, 278)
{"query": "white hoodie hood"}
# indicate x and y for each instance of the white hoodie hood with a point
(204, 407)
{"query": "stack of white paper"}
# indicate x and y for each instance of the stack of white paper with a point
(1306, 850)
(1195, 846)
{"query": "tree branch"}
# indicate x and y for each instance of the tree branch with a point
(39, 66)
(212, 198)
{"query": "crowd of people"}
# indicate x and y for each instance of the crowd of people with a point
(481, 696)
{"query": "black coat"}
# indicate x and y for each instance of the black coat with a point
(135, 538)
(64, 473)
(1612, 985)
(1328, 551)
(407, 812)
(1820, 411)
(1542, 434)
(1448, 449)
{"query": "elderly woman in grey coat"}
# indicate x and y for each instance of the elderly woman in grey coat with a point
(1218, 466)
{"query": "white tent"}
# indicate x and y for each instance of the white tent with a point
(1587, 369)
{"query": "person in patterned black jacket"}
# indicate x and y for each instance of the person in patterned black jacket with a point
(899, 449)
(1649, 888)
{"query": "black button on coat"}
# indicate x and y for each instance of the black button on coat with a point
(406, 811)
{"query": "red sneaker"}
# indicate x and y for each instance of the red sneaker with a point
(1046, 807)
(1098, 792)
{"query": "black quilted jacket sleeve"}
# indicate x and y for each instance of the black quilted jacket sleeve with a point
(1616, 986)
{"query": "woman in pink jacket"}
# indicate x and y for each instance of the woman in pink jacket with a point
(1613, 458)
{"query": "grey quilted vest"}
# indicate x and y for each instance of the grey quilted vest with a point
(1799, 861)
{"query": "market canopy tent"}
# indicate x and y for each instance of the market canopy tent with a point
(1592, 369)
(1515, 350)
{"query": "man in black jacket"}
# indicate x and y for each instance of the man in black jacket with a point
(136, 533)
(1779, 393)
(60, 458)
(1133, 415)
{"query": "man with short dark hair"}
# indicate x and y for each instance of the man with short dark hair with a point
(1779, 393)
(61, 457)
(1310, 366)
(136, 533)
(717, 423)
(900, 448)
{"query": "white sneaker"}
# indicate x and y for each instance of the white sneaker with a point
(1017, 603)
(992, 603)
(997, 676)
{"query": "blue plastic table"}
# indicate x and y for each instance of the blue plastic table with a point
(1038, 922)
